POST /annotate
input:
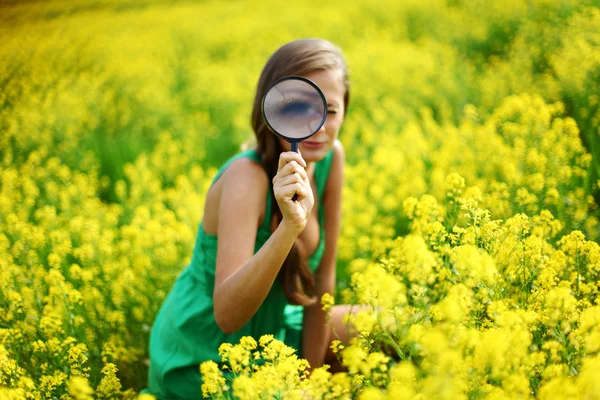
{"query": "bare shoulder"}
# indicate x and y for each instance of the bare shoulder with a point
(240, 191)
(245, 183)
(246, 172)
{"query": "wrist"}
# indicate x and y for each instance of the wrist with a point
(289, 230)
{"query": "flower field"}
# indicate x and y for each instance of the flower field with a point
(470, 219)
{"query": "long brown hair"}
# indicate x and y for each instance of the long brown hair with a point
(295, 58)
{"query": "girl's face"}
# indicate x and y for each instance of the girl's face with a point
(316, 147)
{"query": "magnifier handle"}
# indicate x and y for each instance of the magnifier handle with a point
(295, 149)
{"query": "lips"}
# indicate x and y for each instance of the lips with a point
(313, 144)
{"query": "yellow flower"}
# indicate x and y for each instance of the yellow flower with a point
(327, 301)
(110, 385)
(372, 393)
(336, 346)
(265, 340)
(353, 357)
(248, 343)
(79, 388)
(213, 382)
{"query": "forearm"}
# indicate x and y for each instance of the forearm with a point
(238, 297)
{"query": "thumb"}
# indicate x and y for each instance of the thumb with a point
(300, 154)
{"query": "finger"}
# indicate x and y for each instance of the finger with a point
(290, 169)
(288, 191)
(289, 156)
(293, 168)
(289, 179)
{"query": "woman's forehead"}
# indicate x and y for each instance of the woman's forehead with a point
(331, 82)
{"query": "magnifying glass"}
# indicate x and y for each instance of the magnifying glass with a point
(294, 108)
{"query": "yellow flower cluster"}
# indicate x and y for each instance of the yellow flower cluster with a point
(485, 321)
(470, 224)
(503, 310)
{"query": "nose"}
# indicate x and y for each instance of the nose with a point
(319, 134)
(321, 129)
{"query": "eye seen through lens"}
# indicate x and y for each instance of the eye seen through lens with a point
(294, 108)
(297, 108)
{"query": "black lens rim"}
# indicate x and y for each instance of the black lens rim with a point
(301, 78)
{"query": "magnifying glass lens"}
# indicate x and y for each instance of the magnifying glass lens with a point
(294, 108)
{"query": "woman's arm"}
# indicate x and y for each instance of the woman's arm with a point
(243, 279)
(316, 330)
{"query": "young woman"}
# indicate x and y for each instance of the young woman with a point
(262, 260)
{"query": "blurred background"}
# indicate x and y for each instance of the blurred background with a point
(114, 116)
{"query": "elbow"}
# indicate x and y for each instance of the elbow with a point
(224, 325)
(224, 320)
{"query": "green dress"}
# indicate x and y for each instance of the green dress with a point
(185, 333)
